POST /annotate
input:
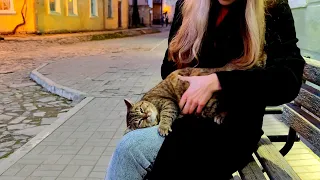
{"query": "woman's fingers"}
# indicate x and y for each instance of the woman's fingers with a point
(192, 108)
(183, 100)
(186, 107)
(199, 109)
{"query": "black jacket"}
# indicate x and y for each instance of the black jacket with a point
(254, 89)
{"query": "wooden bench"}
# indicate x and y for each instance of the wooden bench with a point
(302, 116)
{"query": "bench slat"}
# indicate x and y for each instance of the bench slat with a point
(273, 162)
(309, 98)
(235, 176)
(312, 71)
(306, 125)
(252, 172)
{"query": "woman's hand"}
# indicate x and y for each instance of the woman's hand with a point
(199, 92)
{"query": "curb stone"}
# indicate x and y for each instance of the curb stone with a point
(55, 88)
(72, 38)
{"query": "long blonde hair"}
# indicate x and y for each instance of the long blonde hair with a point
(185, 46)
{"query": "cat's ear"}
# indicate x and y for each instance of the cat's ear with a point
(128, 104)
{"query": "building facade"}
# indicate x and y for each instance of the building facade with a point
(59, 16)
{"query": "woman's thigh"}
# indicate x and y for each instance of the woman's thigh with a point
(201, 149)
(134, 154)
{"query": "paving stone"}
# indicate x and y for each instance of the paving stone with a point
(7, 144)
(39, 114)
(22, 85)
(27, 170)
(35, 178)
(104, 160)
(47, 99)
(31, 108)
(55, 102)
(47, 121)
(69, 171)
(32, 131)
(12, 114)
(19, 127)
(97, 175)
(46, 173)
(61, 114)
(26, 113)
(64, 110)
(65, 159)
(83, 171)
(26, 121)
(52, 159)
(5, 117)
(13, 170)
(11, 178)
(3, 153)
(51, 167)
(28, 105)
(17, 120)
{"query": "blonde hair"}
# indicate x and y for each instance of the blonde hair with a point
(185, 46)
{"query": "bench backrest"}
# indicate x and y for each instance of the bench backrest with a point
(303, 115)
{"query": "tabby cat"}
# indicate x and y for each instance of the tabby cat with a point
(160, 104)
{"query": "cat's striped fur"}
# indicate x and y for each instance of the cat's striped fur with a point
(160, 104)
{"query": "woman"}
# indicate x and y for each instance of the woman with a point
(211, 33)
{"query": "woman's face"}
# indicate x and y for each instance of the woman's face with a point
(226, 2)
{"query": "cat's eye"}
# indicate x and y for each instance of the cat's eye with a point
(141, 110)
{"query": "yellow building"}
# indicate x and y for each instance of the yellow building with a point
(56, 16)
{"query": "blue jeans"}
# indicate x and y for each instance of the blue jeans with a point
(134, 154)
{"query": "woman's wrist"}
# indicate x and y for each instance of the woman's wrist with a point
(214, 83)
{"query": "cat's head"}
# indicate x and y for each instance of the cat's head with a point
(140, 115)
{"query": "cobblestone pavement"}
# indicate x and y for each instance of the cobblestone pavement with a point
(24, 112)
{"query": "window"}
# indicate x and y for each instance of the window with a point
(93, 8)
(6, 6)
(54, 6)
(72, 7)
(109, 8)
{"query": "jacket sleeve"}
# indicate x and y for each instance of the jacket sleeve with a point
(169, 66)
(280, 81)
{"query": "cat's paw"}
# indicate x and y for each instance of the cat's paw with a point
(219, 118)
(164, 130)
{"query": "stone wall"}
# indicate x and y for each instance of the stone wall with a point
(306, 14)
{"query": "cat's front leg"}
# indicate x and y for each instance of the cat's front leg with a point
(168, 114)
(164, 129)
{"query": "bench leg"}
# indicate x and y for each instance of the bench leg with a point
(289, 139)
(292, 136)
